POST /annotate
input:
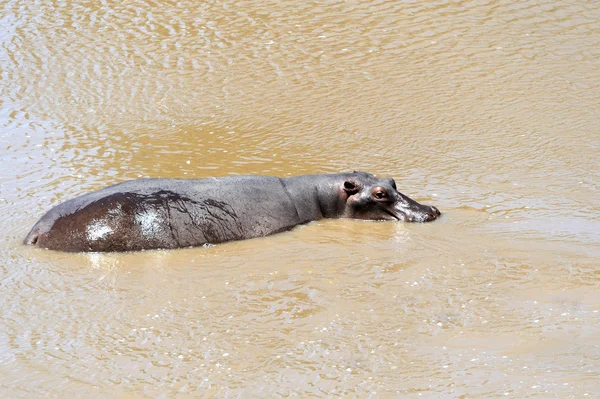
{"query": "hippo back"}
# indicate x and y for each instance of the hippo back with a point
(167, 213)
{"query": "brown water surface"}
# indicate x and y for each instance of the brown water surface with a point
(489, 110)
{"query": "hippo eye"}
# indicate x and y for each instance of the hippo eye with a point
(380, 193)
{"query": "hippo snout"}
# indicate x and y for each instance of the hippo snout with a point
(422, 213)
(432, 214)
(409, 210)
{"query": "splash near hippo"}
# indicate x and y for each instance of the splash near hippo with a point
(178, 213)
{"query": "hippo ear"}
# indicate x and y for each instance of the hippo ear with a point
(351, 187)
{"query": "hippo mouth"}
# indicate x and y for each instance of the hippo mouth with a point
(398, 218)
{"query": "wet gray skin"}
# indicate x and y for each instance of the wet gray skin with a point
(176, 213)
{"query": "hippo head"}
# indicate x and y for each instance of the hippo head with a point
(370, 198)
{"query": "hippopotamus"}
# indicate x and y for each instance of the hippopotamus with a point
(177, 213)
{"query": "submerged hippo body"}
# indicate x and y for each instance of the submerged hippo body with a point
(177, 213)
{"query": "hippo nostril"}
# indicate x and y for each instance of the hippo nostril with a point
(435, 211)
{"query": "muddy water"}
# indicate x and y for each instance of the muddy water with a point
(488, 110)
